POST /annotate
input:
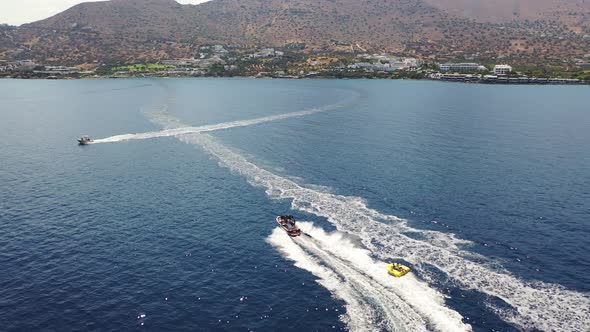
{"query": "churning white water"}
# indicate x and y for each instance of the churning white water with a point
(357, 275)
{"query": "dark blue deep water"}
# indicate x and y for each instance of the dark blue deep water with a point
(92, 238)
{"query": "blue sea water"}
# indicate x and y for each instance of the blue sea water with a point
(492, 185)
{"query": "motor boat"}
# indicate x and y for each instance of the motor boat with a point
(397, 269)
(288, 224)
(85, 140)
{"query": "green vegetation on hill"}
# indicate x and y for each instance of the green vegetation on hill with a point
(585, 76)
(547, 71)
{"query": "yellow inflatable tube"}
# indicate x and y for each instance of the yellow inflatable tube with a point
(397, 269)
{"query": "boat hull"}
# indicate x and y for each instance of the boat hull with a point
(289, 226)
(84, 141)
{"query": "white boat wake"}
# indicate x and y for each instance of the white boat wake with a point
(215, 127)
(353, 276)
(374, 299)
(537, 305)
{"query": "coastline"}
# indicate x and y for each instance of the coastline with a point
(499, 81)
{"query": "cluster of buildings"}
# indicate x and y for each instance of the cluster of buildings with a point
(499, 70)
(195, 63)
(229, 59)
(384, 63)
(472, 72)
(58, 70)
(217, 55)
(387, 63)
(208, 56)
(29, 68)
(461, 67)
(584, 62)
(212, 49)
(494, 79)
(266, 53)
(24, 65)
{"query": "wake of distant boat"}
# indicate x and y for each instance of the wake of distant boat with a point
(214, 127)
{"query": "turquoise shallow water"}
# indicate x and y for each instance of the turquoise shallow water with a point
(181, 229)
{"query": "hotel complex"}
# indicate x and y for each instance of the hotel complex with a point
(502, 70)
(461, 67)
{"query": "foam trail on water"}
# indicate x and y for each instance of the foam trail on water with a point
(359, 316)
(537, 305)
(214, 127)
(380, 301)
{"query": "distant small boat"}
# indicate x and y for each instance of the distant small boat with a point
(85, 140)
(288, 224)
(397, 269)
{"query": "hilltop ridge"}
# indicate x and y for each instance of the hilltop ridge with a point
(134, 30)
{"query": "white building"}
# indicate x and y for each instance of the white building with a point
(393, 61)
(266, 52)
(27, 64)
(61, 70)
(181, 62)
(461, 67)
(502, 69)
(412, 63)
(219, 49)
(366, 66)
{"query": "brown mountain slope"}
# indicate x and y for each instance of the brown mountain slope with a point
(136, 30)
(129, 16)
(380, 23)
(506, 10)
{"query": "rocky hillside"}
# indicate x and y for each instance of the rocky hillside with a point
(138, 30)
(507, 10)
